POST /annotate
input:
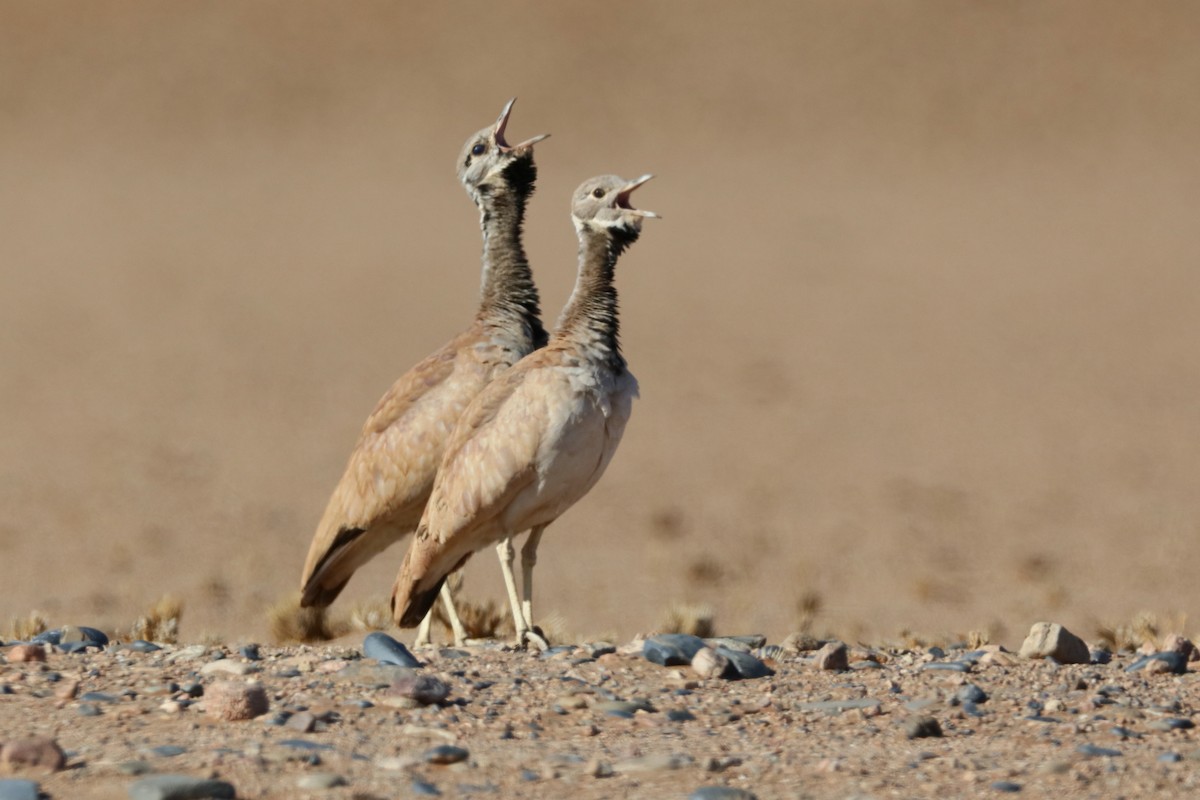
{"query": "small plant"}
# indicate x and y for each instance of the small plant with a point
(692, 618)
(25, 628)
(808, 607)
(160, 623)
(481, 620)
(290, 623)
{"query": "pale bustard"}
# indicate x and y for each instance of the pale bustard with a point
(390, 474)
(539, 436)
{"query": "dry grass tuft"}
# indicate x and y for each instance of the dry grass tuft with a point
(290, 623)
(977, 639)
(808, 607)
(696, 619)
(1145, 628)
(482, 620)
(160, 623)
(371, 616)
(25, 628)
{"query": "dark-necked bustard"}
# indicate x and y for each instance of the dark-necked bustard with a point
(539, 436)
(387, 481)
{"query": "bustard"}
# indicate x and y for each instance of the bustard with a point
(390, 473)
(538, 438)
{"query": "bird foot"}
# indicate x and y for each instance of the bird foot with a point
(534, 639)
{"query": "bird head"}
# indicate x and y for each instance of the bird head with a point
(487, 159)
(603, 204)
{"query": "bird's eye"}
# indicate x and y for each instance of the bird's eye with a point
(478, 149)
(598, 193)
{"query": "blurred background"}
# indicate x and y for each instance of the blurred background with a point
(917, 336)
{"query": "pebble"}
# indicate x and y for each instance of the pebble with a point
(922, 727)
(82, 633)
(302, 721)
(38, 752)
(708, 663)
(833, 657)
(721, 793)
(445, 754)
(15, 789)
(838, 706)
(142, 646)
(1174, 663)
(233, 701)
(315, 781)
(970, 693)
(98, 697)
(1172, 724)
(424, 689)
(168, 750)
(1092, 751)
(1006, 786)
(654, 763)
(424, 789)
(250, 652)
(1170, 758)
(671, 649)
(180, 787)
(744, 665)
(1051, 640)
(228, 666)
(386, 650)
(946, 666)
(19, 653)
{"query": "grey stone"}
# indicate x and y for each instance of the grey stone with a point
(425, 689)
(142, 646)
(721, 793)
(1092, 751)
(1006, 786)
(80, 633)
(13, 789)
(946, 666)
(424, 789)
(922, 727)
(249, 652)
(445, 754)
(970, 693)
(168, 750)
(838, 706)
(744, 665)
(1051, 640)
(180, 787)
(654, 763)
(316, 781)
(386, 650)
(97, 697)
(1174, 663)
(671, 649)
(1172, 724)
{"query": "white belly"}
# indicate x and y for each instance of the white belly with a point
(580, 439)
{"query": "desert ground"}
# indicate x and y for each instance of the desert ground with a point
(916, 335)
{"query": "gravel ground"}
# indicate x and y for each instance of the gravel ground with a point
(594, 721)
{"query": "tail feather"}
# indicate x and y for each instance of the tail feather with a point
(332, 571)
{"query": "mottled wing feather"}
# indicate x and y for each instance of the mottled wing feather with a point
(491, 457)
(389, 474)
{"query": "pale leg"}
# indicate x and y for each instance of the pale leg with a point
(422, 639)
(460, 633)
(528, 560)
(423, 633)
(505, 551)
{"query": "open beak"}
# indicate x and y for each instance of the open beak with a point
(502, 124)
(623, 203)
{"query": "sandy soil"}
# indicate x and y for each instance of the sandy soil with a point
(916, 337)
(594, 724)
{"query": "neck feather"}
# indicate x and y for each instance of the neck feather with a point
(590, 318)
(508, 293)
